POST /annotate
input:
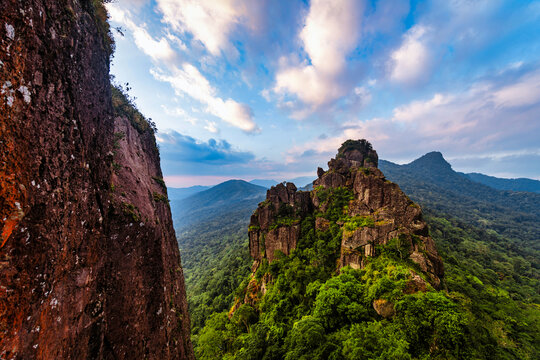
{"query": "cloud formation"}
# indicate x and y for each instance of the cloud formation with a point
(411, 62)
(185, 149)
(158, 50)
(209, 21)
(489, 117)
(457, 76)
(187, 80)
(318, 79)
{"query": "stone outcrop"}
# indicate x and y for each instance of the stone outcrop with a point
(275, 225)
(379, 214)
(89, 265)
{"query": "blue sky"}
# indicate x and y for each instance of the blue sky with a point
(270, 89)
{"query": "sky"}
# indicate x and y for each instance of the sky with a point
(269, 89)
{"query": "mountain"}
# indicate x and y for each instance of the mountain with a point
(229, 196)
(521, 184)
(431, 181)
(182, 193)
(301, 301)
(89, 264)
(264, 183)
(211, 232)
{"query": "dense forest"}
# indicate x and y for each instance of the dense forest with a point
(486, 309)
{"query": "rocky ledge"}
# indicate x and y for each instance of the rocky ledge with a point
(378, 213)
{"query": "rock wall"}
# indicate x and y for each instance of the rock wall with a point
(268, 230)
(378, 214)
(89, 265)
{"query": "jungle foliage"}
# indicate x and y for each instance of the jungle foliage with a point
(487, 309)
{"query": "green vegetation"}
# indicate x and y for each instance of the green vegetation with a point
(351, 224)
(101, 18)
(160, 181)
(124, 105)
(486, 309)
(361, 145)
(211, 231)
(117, 137)
(131, 211)
(116, 166)
(160, 197)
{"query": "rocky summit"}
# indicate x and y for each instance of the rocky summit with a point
(376, 214)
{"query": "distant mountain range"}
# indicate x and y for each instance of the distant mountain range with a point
(301, 181)
(520, 184)
(305, 182)
(222, 199)
(431, 181)
(182, 193)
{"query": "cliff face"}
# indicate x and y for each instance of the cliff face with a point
(377, 214)
(89, 265)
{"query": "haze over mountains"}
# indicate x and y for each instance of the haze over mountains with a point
(435, 158)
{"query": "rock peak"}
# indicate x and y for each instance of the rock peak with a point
(354, 154)
(377, 215)
(432, 160)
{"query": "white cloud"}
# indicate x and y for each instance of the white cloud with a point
(209, 21)
(309, 85)
(411, 62)
(523, 93)
(330, 33)
(187, 80)
(180, 113)
(486, 118)
(158, 50)
(211, 126)
(420, 109)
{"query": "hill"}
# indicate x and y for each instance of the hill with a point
(211, 231)
(431, 181)
(227, 197)
(520, 184)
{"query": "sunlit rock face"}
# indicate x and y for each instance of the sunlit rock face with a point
(89, 266)
(377, 214)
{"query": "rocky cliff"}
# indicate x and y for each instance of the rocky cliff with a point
(376, 213)
(89, 265)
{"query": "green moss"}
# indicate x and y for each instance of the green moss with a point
(160, 181)
(101, 18)
(124, 105)
(117, 137)
(159, 197)
(254, 228)
(116, 166)
(131, 211)
(284, 221)
(262, 269)
(265, 203)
